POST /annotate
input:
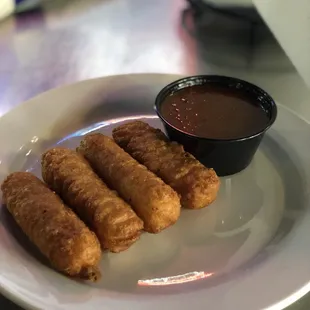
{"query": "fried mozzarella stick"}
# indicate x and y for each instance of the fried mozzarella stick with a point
(197, 185)
(110, 217)
(156, 203)
(57, 232)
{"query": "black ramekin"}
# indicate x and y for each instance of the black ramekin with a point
(225, 156)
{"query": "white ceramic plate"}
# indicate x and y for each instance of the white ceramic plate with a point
(249, 250)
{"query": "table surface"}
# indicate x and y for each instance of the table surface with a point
(69, 41)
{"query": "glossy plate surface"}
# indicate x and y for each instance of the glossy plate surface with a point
(248, 250)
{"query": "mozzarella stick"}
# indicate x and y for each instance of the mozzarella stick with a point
(156, 203)
(197, 185)
(110, 217)
(57, 232)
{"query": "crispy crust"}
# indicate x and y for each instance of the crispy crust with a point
(197, 185)
(114, 222)
(156, 203)
(57, 232)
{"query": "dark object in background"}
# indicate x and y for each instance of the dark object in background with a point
(227, 156)
(249, 14)
(207, 11)
(232, 38)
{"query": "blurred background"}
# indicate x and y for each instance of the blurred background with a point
(49, 43)
(60, 41)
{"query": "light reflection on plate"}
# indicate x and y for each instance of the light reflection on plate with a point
(179, 279)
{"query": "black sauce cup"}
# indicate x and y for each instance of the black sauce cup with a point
(225, 156)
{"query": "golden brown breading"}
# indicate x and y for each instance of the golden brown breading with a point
(156, 203)
(57, 232)
(112, 219)
(197, 185)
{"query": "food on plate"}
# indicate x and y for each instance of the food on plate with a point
(110, 217)
(197, 185)
(58, 233)
(156, 203)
